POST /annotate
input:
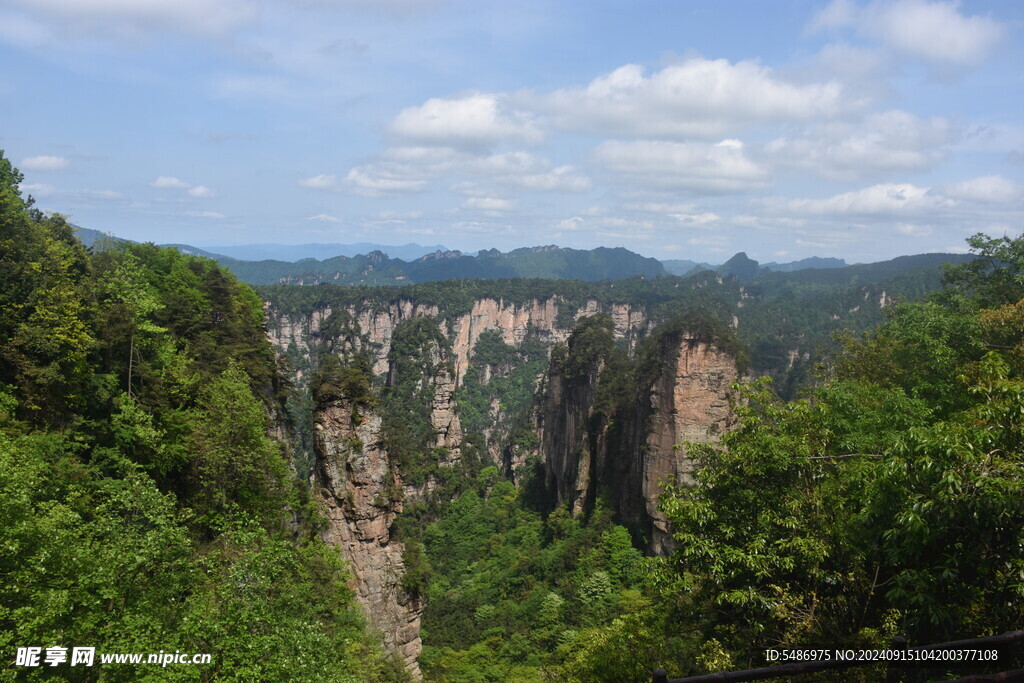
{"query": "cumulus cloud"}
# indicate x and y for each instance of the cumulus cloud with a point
(528, 171)
(886, 141)
(990, 189)
(171, 183)
(475, 121)
(201, 191)
(687, 215)
(320, 182)
(933, 31)
(164, 182)
(700, 167)
(699, 97)
(886, 198)
(377, 182)
(325, 218)
(402, 170)
(44, 163)
(488, 203)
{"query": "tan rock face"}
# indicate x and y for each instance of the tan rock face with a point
(355, 487)
(689, 403)
(513, 321)
(562, 430)
(632, 454)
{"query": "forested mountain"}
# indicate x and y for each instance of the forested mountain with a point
(378, 269)
(575, 401)
(145, 506)
(510, 479)
(296, 252)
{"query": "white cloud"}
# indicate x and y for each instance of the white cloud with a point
(527, 171)
(561, 179)
(325, 218)
(164, 182)
(720, 168)
(320, 182)
(699, 97)
(412, 169)
(171, 183)
(883, 199)
(205, 214)
(892, 140)
(488, 203)
(914, 230)
(685, 214)
(991, 189)
(104, 194)
(44, 163)
(836, 14)
(202, 191)
(380, 183)
(714, 243)
(38, 189)
(476, 121)
(571, 224)
(934, 31)
(132, 18)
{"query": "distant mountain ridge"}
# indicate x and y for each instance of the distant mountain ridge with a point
(377, 267)
(687, 267)
(298, 252)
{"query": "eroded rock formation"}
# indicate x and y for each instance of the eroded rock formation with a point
(626, 446)
(631, 448)
(688, 403)
(360, 495)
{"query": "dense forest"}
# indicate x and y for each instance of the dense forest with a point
(156, 480)
(145, 505)
(886, 501)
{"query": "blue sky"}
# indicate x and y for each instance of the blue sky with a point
(863, 130)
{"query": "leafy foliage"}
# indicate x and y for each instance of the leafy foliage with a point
(144, 506)
(886, 502)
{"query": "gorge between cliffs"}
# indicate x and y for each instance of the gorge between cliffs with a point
(404, 400)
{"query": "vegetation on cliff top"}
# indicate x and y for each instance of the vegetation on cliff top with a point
(145, 507)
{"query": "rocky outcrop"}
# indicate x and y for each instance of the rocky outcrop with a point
(688, 403)
(627, 445)
(566, 437)
(376, 325)
(632, 443)
(446, 440)
(360, 495)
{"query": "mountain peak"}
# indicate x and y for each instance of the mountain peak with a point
(740, 265)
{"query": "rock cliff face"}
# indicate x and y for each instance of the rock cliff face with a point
(566, 437)
(688, 403)
(626, 446)
(357, 488)
(631, 448)
(514, 321)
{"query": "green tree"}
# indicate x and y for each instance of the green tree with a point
(234, 462)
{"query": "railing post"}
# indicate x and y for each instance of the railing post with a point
(894, 670)
(660, 676)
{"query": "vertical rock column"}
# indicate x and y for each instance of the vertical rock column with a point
(689, 403)
(361, 496)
